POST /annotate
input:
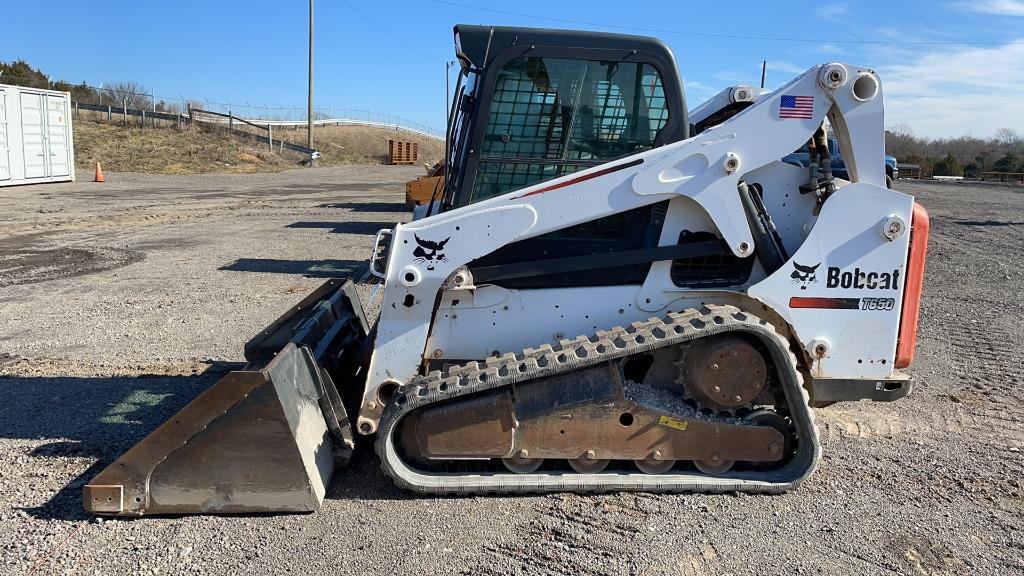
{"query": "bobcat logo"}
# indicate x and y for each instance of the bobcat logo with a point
(804, 275)
(430, 252)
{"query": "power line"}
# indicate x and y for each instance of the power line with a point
(391, 35)
(721, 36)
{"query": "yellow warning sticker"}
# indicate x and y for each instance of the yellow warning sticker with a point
(673, 423)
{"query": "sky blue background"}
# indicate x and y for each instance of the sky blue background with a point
(389, 56)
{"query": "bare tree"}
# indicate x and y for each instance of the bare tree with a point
(130, 94)
(170, 107)
(902, 129)
(1003, 152)
(1007, 137)
(900, 141)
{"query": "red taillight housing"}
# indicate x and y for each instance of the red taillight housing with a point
(913, 285)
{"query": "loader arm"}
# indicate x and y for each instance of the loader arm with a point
(706, 169)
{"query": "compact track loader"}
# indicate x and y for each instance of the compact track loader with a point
(602, 296)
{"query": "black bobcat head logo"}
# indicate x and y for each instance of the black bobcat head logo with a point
(804, 275)
(430, 252)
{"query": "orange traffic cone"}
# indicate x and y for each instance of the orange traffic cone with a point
(99, 174)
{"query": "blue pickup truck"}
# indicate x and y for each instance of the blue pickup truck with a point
(799, 158)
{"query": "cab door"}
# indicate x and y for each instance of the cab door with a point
(548, 117)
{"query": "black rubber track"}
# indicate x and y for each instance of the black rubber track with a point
(570, 355)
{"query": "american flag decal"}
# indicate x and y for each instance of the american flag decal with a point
(801, 107)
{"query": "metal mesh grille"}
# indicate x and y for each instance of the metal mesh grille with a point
(716, 271)
(495, 178)
(548, 111)
(524, 120)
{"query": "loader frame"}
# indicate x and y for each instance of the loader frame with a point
(426, 259)
(534, 330)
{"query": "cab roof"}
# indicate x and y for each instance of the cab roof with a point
(482, 44)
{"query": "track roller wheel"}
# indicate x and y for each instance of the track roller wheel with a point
(522, 465)
(587, 465)
(714, 467)
(652, 466)
(779, 422)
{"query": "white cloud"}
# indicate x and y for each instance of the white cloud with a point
(779, 72)
(833, 12)
(828, 49)
(697, 92)
(957, 91)
(695, 86)
(732, 77)
(939, 91)
(785, 67)
(998, 7)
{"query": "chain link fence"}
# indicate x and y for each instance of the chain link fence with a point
(131, 95)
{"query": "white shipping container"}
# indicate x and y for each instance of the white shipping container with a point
(36, 143)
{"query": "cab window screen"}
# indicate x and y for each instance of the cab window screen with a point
(550, 117)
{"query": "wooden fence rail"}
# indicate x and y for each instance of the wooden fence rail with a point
(196, 116)
(1003, 176)
(265, 134)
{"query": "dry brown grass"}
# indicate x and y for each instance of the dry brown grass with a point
(168, 150)
(360, 144)
(249, 158)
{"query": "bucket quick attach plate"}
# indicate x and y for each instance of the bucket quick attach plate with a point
(263, 439)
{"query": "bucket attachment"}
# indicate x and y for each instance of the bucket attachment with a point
(262, 439)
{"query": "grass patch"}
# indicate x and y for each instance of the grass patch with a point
(170, 150)
(167, 149)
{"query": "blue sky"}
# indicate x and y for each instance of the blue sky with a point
(948, 67)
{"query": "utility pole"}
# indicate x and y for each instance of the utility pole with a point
(764, 71)
(447, 82)
(309, 108)
(447, 103)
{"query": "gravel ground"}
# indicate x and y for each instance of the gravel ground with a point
(120, 302)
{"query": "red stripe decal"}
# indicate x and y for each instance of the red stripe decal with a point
(826, 303)
(579, 179)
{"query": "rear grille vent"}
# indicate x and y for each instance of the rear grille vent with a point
(718, 271)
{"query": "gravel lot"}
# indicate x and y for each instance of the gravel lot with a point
(120, 302)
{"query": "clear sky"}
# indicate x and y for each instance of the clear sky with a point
(948, 67)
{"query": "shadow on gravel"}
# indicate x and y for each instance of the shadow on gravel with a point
(368, 206)
(95, 418)
(987, 223)
(362, 479)
(307, 268)
(335, 187)
(345, 227)
(26, 259)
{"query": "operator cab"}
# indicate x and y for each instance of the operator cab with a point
(535, 104)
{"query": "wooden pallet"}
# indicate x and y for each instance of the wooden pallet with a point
(403, 152)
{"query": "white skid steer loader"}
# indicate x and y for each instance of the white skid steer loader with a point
(602, 297)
